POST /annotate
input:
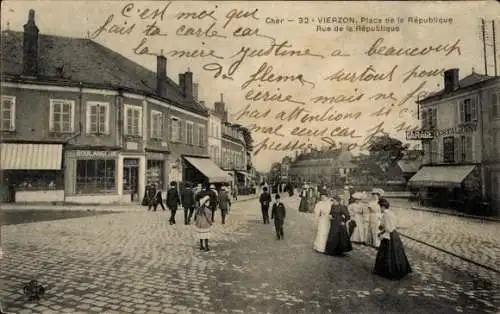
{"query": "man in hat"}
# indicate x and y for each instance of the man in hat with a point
(173, 201)
(278, 213)
(265, 201)
(224, 203)
(188, 202)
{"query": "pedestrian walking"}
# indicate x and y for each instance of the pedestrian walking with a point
(158, 198)
(338, 242)
(224, 204)
(188, 202)
(150, 196)
(214, 200)
(235, 192)
(278, 213)
(374, 217)
(173, 201)
(265, 201)
(322, 211)
(203, 224)
(357, 212)
(391, 261)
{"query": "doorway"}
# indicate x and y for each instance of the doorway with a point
(131, 178)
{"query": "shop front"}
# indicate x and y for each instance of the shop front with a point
(156, 169)
(205, 171)
(32, 172)
(91, 176)
(455, 186)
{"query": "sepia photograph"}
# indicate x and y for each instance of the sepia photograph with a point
(249, 157)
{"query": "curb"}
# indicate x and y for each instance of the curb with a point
(456, 214)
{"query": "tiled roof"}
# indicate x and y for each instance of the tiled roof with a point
(86, 61)
(465, 83)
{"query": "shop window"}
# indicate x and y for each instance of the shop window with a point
(8, 113)
(95, 176)
(133, 120)
(97, 118)
(449, 149)
(35, 180)
(61, 115)
(154, 172)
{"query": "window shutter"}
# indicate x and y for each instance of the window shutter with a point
(461, 116)
(196, 134)
(424, 119)
(474, 106)
(103, 128)
(125, 120)
(494, 105)
(182, 131)
(170, 127)
(434, 118)
(469, 151)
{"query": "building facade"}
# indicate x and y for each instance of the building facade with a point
(329, 167)
(461, 141)
(215, 138)
(84, 124)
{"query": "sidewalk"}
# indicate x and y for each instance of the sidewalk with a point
(452, 212)
(93, 207)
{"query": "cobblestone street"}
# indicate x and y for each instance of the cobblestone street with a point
(135, 262)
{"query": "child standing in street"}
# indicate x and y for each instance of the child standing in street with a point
(278, 214)
(203, 223)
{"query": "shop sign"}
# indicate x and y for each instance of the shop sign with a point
(156, 156)
(92, 154)
(418, 135)
(456, 130)
(132, 145)
(131, 162)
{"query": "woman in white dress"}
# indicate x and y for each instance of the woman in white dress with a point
(374, 219)
(357, 210)
(322, 212)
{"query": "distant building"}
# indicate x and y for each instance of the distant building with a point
(329, 167)
(461, 142)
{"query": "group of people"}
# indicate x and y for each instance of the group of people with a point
(309, 197)
(353, 218)
(202, 202)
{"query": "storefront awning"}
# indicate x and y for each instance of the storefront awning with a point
(241, 173)
(444, 176)
(209, 169)
(30, 156)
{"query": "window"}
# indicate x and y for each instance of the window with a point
(133, 120)
(468, 110)
(156, 124)
(97, 118)
(466, 148)
(429, 118)
(8, 113)
(189, 133)
(496, 144)
(449, 149)
(95, 176)
(495, 104)
(175, 129)
(201, 135)
(61, 115)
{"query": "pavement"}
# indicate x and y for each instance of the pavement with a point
(135, 262)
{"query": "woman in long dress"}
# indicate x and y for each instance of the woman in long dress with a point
(304, 204)
(374, 217)
(391, 261)
(338, 242)
(322, 211)
(357, 210)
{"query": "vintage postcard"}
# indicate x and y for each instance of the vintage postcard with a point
(250, 157)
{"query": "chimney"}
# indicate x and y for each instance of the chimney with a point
(30, 46)
(195, 91)
(451, 80)
(161, 75)
(188, 84)
(182, 82)
(220, 109)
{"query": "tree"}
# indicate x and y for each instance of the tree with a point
(385, 151)
(247, 135)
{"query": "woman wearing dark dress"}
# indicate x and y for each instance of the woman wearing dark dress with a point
(391, 261)
(338, 242)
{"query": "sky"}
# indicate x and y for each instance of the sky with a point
(334, 53)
